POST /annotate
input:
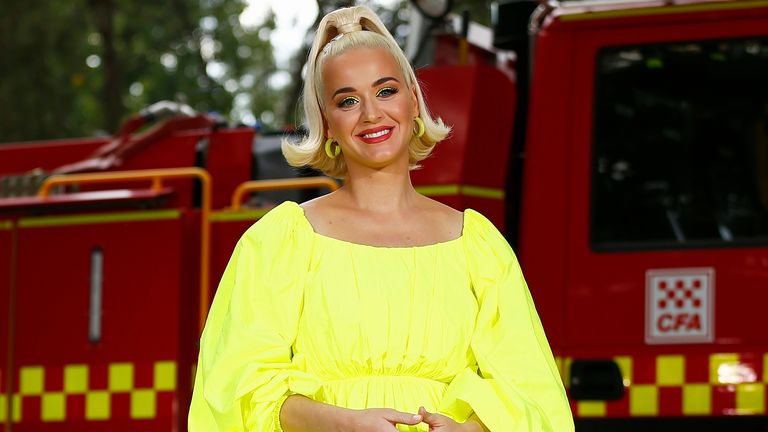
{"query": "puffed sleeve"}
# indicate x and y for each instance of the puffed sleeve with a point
(244, 367)
(517, 387)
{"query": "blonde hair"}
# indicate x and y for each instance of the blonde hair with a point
(339, 31)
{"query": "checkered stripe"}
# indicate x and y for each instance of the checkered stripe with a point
(679, 385)
(91, 392)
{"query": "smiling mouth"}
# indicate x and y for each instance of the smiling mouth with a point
(377, 134)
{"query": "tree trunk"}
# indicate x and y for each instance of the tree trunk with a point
(104, 12)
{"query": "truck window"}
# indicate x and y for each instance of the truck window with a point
(680, 145)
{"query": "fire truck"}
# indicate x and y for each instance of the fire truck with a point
(622, 147)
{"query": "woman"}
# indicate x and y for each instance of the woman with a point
(372, 308)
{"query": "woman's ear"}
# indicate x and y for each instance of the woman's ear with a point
(415, 101)
(328, 131)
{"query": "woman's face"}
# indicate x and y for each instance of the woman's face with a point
(369, 110)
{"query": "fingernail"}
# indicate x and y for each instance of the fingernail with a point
(416, 417)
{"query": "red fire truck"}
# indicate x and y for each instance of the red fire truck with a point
(623, 149)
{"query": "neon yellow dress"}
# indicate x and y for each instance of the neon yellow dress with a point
(450, 326)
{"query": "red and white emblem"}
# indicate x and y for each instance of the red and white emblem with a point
(679, 306)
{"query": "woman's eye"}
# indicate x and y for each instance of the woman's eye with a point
(386, 91)
(347, 102)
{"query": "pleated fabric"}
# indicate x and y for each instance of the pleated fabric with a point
(450, 326)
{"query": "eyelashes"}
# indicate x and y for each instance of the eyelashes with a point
(350, 101)
(386, 91)
(347, 102)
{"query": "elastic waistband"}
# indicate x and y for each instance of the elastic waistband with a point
(385, 378)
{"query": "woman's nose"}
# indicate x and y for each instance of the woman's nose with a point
(371, 111)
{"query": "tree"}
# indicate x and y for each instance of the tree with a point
(43, 70)
(79, 67)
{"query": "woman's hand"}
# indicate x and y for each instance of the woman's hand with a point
(378, 420)
(302, 414)
(441, 423)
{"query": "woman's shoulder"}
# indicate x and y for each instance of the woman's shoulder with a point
(482, 236)
(476, 223)
(285, 219)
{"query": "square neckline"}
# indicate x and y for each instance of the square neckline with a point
(365, 245)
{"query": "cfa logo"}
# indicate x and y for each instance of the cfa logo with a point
(668, 322)
(679, 305)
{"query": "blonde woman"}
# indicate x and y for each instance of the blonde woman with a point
(373, 308)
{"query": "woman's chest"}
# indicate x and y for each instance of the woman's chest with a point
(376, 303)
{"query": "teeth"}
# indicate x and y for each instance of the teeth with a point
(377, 134)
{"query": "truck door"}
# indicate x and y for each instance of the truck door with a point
(668, 213)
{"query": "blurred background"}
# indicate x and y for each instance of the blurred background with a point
(621, 147)
(82, 66)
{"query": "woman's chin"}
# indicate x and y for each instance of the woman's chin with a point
(384, 160)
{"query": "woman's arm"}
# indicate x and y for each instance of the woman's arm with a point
(475, 425)
(301, 414)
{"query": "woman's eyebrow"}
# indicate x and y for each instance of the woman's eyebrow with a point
(343, 90)
(376, 83)
(381, 81)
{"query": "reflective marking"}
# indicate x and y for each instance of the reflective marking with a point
(750, 398)
(143, 404)
(53, 407)
(482, 192)
(231, 216)
(97, 405)
(120, 377)
(76, 379)
(32, 378)
(625, 366)
(567, 371)
(88, 219)
(643, 400)
(16, 408)
(591, 408)
(439, 190)
(466, 190)
(765, 368)
(670, 370)
(165, 375)
(697, 399)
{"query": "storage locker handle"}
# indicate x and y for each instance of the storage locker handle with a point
(94, 305)
(156, 176)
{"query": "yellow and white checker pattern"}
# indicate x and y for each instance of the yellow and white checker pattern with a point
(725, 369)
(143, 401)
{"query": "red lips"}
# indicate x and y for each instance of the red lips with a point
(376, 139)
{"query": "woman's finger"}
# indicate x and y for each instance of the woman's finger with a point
(427, 417)
(403, 418)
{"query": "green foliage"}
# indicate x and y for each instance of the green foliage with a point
(79, 67)
(43, 70)
(56, 80)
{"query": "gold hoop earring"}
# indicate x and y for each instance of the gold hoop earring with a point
(334, 153)
(419, 129)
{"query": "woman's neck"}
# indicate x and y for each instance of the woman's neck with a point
(380, 191)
